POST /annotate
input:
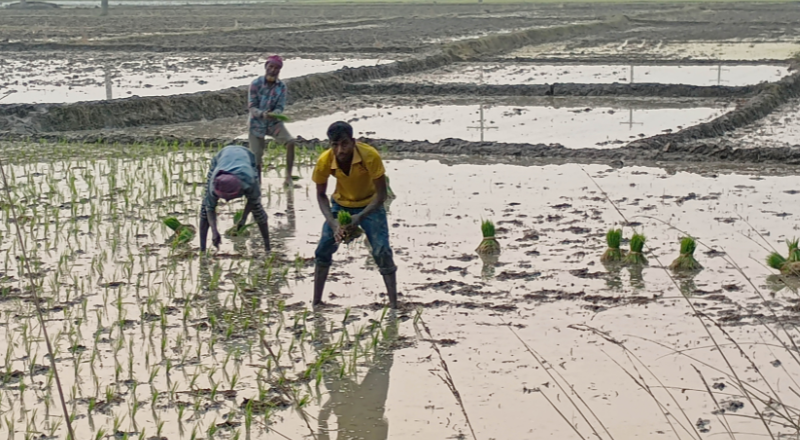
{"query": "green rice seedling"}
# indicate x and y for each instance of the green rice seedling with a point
(635, 255)
(776, 261)
(613, 253)
(345, 219)
(686, 260)
(280, 117)
(794, 251)
(489, 245)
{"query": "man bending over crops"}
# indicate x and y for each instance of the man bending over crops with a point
(233, 174)
(360, 191)
(266, 101)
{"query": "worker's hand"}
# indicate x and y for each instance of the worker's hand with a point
(216, 239)
(268, 116)
(338, 232)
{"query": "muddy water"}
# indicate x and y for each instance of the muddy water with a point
(663, 49)
(93, 224)
(573, 127)
(529, 73)
(99, 76)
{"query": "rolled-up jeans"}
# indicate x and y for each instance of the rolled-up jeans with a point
(374, 225)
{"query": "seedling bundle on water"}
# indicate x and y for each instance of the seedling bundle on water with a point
(489, 245)
(183, 233)
(613, 253)
(635, 256)
(686, 261)
(790, 265)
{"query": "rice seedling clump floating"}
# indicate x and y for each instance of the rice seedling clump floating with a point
(635, 256)
(613, 253)
(686, 260)
(489, 245)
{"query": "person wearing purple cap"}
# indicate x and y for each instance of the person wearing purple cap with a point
(265, 99)
(233, 174)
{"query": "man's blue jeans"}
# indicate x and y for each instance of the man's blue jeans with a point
(374, 225)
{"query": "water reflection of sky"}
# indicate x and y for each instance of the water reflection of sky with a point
(62, 80)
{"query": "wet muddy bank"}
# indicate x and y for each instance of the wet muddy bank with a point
(634, 60)
(566, 89)
(690, 153)
(771, 97)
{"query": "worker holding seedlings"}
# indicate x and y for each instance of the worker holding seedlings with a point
(266, 101)
(233, 174)
(360, 192)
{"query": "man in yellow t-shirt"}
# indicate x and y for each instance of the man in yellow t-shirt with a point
(361, 191)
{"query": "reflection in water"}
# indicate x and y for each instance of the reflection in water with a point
(613, 278)
(107, 74)
(637, 280)
(778, 282)
(687, 285)
(358, 407)
(489, 265)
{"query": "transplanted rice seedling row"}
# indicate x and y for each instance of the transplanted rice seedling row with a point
(151, 343)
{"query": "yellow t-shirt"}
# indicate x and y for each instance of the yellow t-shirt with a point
(357, 189)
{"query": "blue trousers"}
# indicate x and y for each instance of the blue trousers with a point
(374, 225)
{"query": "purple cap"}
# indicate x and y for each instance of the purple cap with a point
(276, 60)
(227, 186)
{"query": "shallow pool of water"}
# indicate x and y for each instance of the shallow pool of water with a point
(531, 73)
(95, 77)
(573, 127)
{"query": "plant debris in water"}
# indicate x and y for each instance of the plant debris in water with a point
(613, 253)
(686, 260)
(489, 245)
(635, 256)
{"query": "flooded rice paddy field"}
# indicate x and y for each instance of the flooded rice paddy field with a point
(779, 129)
(632, 48)
(536, 73)
(64, 77)
(569, 121)
(155, 340)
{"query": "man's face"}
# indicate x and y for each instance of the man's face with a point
(343, 150)
(272, 72)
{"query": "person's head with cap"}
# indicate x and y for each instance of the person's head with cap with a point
(273, 68)
(227, 186)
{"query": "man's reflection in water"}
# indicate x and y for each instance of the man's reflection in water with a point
(358, 407)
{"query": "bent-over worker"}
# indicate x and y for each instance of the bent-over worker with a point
(232, 174)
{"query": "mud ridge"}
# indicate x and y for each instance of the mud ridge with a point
(772, 95)
(632, 60)
(695, 152)
(558, 89)
(162, 110)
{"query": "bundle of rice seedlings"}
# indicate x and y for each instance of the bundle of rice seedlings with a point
(172, 223)
(345, 219)
(776, 261)
(635, 256)
(183, 233)
(686, 261)
(791, 268)
(281, 117)
(489, 245)
(794, 252)
(613, 253)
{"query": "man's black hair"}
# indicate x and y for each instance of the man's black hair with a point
(339, 131)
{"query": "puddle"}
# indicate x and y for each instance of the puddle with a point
(158, 341)
(703, 50)
(530, 73)
(568, 125)
(97, 76)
